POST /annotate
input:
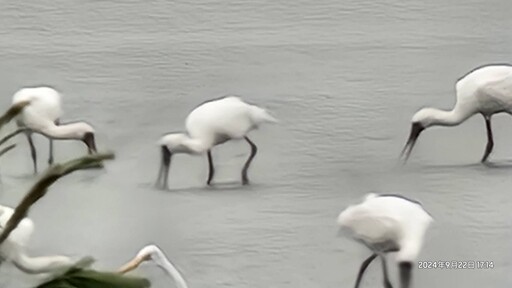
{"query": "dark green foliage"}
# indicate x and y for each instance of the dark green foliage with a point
(79, 278)
(12, 112)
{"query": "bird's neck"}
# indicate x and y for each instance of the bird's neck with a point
(197, 146)
(175, 274)
(409, 250)
(411, 244)
(451, 118)
(66, 131)
(38, 265)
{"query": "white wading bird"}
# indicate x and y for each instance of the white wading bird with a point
(42, 115)
(13, 249)
(486, 90)
(388, 223)
(213, 123)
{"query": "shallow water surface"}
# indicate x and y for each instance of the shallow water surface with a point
(343, 77)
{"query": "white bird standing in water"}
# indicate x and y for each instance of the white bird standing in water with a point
(153, 253)
(486, 90)
(388, 223)
(42, 116)
(13, 249)
(210, 124)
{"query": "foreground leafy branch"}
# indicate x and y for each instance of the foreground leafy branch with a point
(12, 112)
(9, 136)
(49, 177)
(7, 149)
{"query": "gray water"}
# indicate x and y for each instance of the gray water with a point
(344, 78)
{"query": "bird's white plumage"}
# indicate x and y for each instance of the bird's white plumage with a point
(485, 78)
(380, 219)
(485, 90)
(228, 116)
(19, 237)
(44, 108)
(14, 248)
(217, 121)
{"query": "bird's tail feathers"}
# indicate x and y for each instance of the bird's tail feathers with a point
(345, 217)
(261, 115)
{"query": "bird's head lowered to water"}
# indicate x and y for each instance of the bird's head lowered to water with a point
(174, 143)
(76, 131)
(87, 135)
(420, 121)
(178, 143)
(89, 140)
(154, 253)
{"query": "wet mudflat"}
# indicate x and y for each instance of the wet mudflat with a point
(343, 78)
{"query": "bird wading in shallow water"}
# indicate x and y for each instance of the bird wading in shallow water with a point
(486, 90)
(210, 124)
(388, 223)
(42, 115)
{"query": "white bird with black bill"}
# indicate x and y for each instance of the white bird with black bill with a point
(210, 124)
(485, 90)
(41, 114)
(388, 223)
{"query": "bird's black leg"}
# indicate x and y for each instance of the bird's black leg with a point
(158, 183)
(165, 184)
(211, 170)
(50, 153)
(387, 284)
(364, 265)
(490, 142)
(32, 150)
(254, 150)
(163, 172)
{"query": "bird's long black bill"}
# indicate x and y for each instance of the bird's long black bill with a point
(405, 274)
(416, 129)
(163, 173)
(90, 142)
